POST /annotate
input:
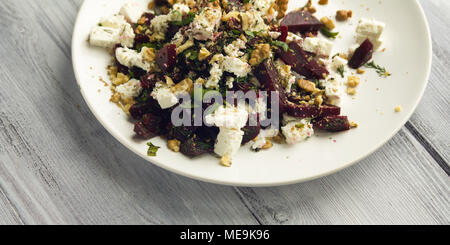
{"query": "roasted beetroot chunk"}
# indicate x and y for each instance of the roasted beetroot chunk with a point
(362, 55)
(138, 110)
(333, 123)
(153, 123)
(302, 111)
(303, 62)
(301, 21)
(329, 110)
(194, 147)
(142, 131)
(250, 132)
(167, 57)
(268, 76)
(284, 33)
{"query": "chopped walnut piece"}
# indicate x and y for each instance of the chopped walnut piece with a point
(120, 79)
(343, 15)
(279, 139)
(261, 52)
(353, 81)
(306, 85)
(115, 98)
(351, 91)
(329, 24)
(281, 7)
(174, 145)
(353, 125)
(203, 54)
(267, 145)
(148, 54)
(225, 161)
(186, 85)
(398, 108)
(323, 2)
(360, 71)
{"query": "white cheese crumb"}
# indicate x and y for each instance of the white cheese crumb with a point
(236, 66)
(164, 96)
(130, 89)
(206, 23)
(370, 29)
(318, 46)
(297, 131)
(132, 11)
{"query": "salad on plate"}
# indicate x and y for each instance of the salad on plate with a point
(212, 76)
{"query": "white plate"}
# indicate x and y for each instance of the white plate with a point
(407, 56)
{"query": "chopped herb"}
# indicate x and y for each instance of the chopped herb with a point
(341, 71)
(280, 44)
(156, 46)
(380, 70)
(211, 1)
(300, 125)
(328, 33)
(100, 24)
(152, 149)
(186, 20)
(236, 32)
(250, 33)
(245, 1)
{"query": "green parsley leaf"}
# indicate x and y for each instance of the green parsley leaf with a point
(152, 149)
(280, 44)
(186, 20)
(328, 33)
(341, 71)
(381, 71)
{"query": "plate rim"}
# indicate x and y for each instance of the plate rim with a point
(258, 184)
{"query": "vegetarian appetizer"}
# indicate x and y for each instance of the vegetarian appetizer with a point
(171, 50)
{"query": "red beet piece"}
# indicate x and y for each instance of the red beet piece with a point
(250, 132)
(329, 110)
(301, 21)
(142, 131)
(333, 123)
(284, 33)
(302, 111)
(152, 123)
(167, 57)
(362, 55)
(303, 62)
(268, 76)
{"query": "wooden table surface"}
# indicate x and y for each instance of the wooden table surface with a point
(58, 165)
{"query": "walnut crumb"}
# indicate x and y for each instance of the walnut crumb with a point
(225, 161)
(398, 108)
(267, 145)
(353, 125)
(329, 24)
(323, 2)
(174, 145)
(203, 54)
(360, 71)
(351, 91)
(353, 81)
(343, 15)
(261, 52)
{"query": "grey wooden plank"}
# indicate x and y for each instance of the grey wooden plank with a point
(431, 119)
(60, 165)
(399, 184)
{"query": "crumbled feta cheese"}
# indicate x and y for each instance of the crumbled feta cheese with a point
(297, 131)
(130, 57)
(233, 49)
(318, 46)
(333, 90)
(216, 73)
(261, 6)
(130, 89)
(292, 37)
(105, 37)
(159, 26)
(132, 11)
(370, 29)
(286, 75)
(183, 8)
(163, 94)
(228, 117)
(338, 62)
(206, 23)
(127, 36)
(252, 21)
(261, 139)
(228, 142)
(236, 66)
(229, 82)
(274, 34)
(115, 21)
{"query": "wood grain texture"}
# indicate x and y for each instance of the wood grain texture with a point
(59, 166)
